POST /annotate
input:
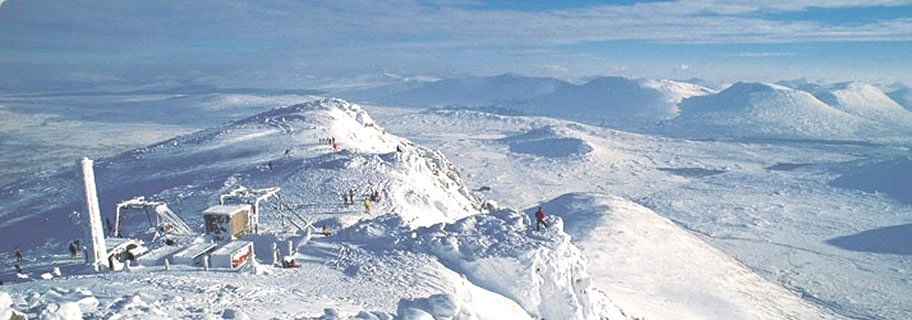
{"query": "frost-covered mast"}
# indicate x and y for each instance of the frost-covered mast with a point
(99, 251)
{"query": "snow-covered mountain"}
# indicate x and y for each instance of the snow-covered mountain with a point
(866, 101)
(612, 101)
(761, 110)
(384, 259)
(193, 169)
(616, 101)
(903, 96)
(654, 269)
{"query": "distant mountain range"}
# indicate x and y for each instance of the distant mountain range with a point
(787, 110)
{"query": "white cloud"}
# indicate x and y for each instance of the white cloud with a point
(759, 54)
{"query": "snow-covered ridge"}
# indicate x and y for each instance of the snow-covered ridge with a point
(866, 101)
(189, 172)
(654, 269)
(615, 101)
(768, 111)
(502, 252)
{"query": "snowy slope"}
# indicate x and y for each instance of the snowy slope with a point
(653, 269)
(866, 101)
(45, 132)
(762, 110)
(548, 141)
(768, 203)
(903, 96)
(190, 171)
(614, 101)
(379, 264)
(677, 91)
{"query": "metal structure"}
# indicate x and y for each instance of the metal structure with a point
(157, 213)
(255, 197)
(96, 230)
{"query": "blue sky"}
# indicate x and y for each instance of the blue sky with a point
(73, 44)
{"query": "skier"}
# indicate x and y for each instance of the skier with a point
(325, 231)
(367, 205)
(540, 219)
(18, 269)
(351, 196)
(269, 166)
(335, 147)
(287, 152)
(398, 149)
(18, 254)
(73, 250)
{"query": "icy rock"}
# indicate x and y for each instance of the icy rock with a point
(541, 270)
(414, 314)
(330, 314)
(64, 311)
(6, 310)
(234, 314)
(47, 276)
(439, 306)
(364, 315)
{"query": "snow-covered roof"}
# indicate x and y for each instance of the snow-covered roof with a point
(227, 209)
(232, 247)
(194, 250)
(117, 243)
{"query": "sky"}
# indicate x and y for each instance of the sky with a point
(55, 45)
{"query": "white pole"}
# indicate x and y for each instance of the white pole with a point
(167, 264)
(275, 253)
(289, 248)
(206, 263)
(96, 229)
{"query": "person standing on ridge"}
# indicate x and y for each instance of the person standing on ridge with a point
(367, 205)
(325, 231)
(73, 250)
(540, 219)
(18, 254)
(351, 196)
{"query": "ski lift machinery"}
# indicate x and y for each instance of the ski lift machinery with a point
(253, 197)
(164, 220)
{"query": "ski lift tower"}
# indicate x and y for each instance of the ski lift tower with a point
(164, 220)
(99, 250)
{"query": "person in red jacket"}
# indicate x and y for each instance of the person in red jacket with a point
(540, 219)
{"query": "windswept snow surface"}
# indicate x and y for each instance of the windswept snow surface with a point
(765, 111)
(903, 96)
(849, 112)
(612, 101)
(549, 142)
(866, 101)
(190, 171)
(382, 264)
(654, 269)
(768, 203)
(45, 132)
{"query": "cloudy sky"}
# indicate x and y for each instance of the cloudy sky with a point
(55, 44)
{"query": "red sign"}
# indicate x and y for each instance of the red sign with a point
(238, 258)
